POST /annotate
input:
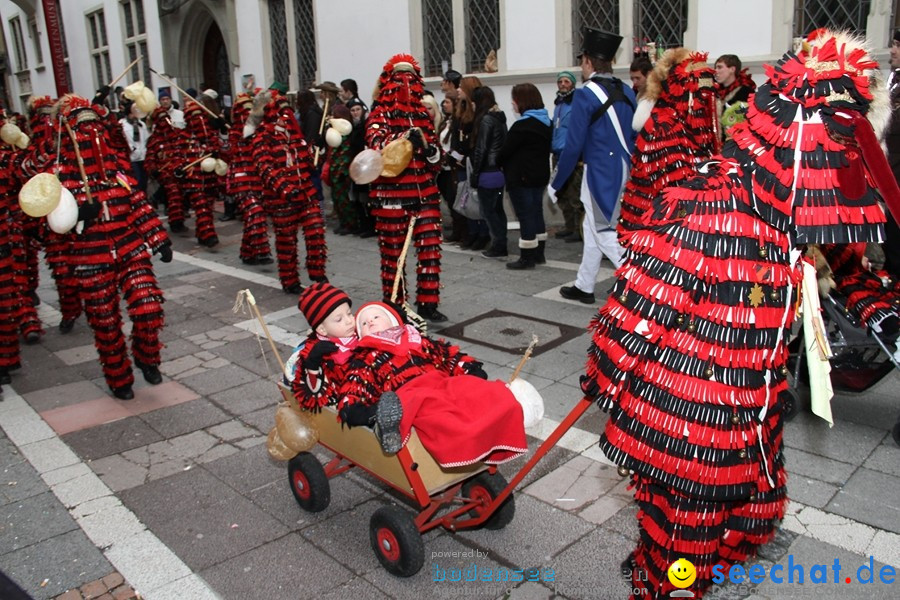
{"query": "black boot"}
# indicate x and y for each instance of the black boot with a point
(431, 313)
(526, 260)
(539, 253)
(230, 206)
(151, 373)
(123, 393)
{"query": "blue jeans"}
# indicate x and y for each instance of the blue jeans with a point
(528, 204)
(491, 200)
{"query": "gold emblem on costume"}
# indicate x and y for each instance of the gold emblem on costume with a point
(756, 295)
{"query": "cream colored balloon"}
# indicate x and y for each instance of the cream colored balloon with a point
(208, 164)
(333, 138)
(221, 167)
(22, 141)
(40, 195)
(10, 132)
(146, 102)
(64, 217)
(134, 91)
(343, 126)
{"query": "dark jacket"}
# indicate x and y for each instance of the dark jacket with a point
(489, 141)
(525, 156)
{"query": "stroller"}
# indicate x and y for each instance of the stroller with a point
(861, 357)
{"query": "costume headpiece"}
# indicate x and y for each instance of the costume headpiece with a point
(75, 109)
(319, 300)
(600, 44)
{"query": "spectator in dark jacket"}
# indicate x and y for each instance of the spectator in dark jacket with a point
(525, 158)
(309, 114)
(489, 133)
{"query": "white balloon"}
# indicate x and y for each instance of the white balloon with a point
(146, 101)
(10, 132)
(367, 166)
(64, 217)
(221, 167)
(333, 137)
(208, 164)
(343, 126)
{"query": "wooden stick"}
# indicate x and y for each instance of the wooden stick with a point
(199, 160)
(321, 129)
(184, 93)
(401, 260)
(84, 179)
(528, 351)
(125, 72)
(252, 302)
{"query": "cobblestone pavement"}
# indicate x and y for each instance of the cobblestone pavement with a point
(175, 491)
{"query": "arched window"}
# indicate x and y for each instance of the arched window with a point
(281, 62)
(305, 26)
(834, 14)
(598, 14)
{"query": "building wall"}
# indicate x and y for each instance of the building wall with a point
(355, 38)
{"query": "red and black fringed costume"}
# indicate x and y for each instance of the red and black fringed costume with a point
(284, 161)
(689, 353)
(57, 248)
(166, 148)
(10, 293)
(200, 188)
(336, 174)
(872, 297)
(397, 110)
(110, 253)
(245, 186)
(678, 132)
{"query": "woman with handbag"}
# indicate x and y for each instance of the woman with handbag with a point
(489, 133)
(477, 236)
(525, 158)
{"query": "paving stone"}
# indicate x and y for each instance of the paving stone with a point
(180, 365)
(84, 415)
(217, 380)
(178, 348)
(886, 459)
(855, 500)
(47, 455)
(80, 489)
(111, 438)
(63, 395)
(355, 588)
(145, 562)
(259, 572)
(845, 442)
(248, 397)
(32, 520)
(119, 473)
(65, 561)
(798, 462)
(248, 470)
(184, 418)
(262, 420)
(19, 481)
(78, 354)
(591, 564)
(535, 535)
(575, 484)
(811, 492)
(200, 518)
(232, 431)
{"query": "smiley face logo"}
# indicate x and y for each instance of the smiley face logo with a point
(682, 573)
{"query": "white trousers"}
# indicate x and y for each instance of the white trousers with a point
(597, 244)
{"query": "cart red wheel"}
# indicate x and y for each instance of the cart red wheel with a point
(396, 541)
(485, 487)
(309, 483)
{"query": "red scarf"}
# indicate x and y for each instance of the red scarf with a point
(345, 347)
(401, 340)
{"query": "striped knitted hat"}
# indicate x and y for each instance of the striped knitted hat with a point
(319, 300)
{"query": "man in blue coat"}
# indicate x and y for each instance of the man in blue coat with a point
(600, 136)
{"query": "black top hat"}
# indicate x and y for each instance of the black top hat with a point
(600, 44)
(453, 77)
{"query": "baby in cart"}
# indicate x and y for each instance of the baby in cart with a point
(393, 378)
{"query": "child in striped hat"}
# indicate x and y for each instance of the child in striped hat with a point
(315, 370)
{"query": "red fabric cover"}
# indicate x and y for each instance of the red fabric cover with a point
(463, 419)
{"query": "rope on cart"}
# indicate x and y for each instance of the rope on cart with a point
(246, 296)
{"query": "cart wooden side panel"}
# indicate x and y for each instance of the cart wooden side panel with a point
(360, 446)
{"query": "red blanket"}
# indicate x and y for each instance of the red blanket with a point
(463, 419)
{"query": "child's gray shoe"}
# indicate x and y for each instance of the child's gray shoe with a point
(388, 414)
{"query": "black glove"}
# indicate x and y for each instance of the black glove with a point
(101, 94)
(219, 123)
(474, 368)
(88, 212)
(165, 253)
(313, 360)
(357, 415)
(179, 173)
(416, 138)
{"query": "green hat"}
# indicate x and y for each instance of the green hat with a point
(279, 86)
(568, 74)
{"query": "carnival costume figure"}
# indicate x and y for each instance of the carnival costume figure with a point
(398, 113)
(110, 248)
(285, 164)
(166, 148)
(200, 187)
(689, 354)
(676, 125)
(244, 185)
